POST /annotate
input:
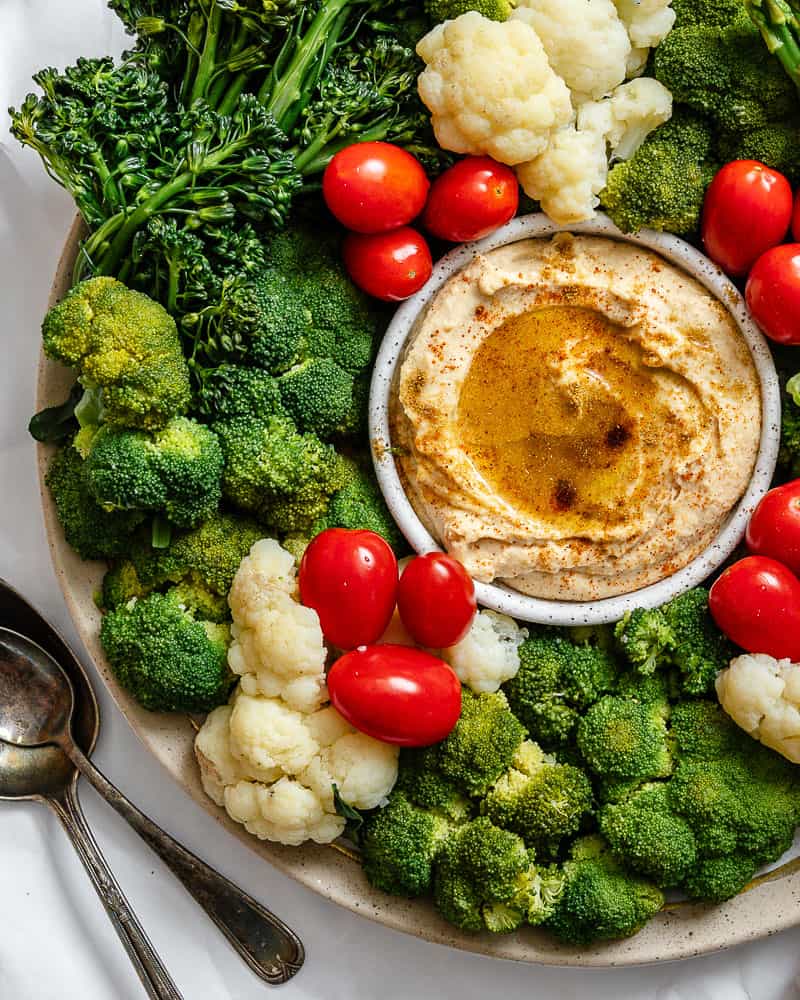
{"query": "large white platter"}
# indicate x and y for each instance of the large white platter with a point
(680, 931)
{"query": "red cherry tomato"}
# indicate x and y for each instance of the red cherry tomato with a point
(396, 694)
(390, 266)
(471, 199)
(350, 579)
(747, 210)
(773, 293)
(372, 187)
(796, 218)
(774, 528)
(436, 600)
(756, 603)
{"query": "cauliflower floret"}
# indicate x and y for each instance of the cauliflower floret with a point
(286, 812)
(267, 735)
(648, 22)
(218, 766)
(277, 643)
(762, 695)
(636, 62)
(266, 565)
(585, 41)
(636, 108)
(568, 176)
(363, 769)
(490, 88)
(488, 655)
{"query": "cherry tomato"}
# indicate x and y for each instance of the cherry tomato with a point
(350, 579)
(774, 528)
(747, 210)
(390, 266)
(756, 603)
(436, 600)
(372, 187)
(396, 694)
(796, 218)
(471, 199)
(773, 293)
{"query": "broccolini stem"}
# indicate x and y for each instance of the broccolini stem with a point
(107, 183)
(232, 94)
(323, 152)
(208, 56)
(778, 25)
(219, 87)
(290, 86)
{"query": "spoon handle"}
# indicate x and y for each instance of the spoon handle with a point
(151, 970)
(271, 949)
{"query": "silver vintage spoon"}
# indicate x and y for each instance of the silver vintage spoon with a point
(37, 705)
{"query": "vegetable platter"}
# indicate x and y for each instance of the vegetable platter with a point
(259, 183)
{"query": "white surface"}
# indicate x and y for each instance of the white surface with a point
(56, 941)
(610, 609)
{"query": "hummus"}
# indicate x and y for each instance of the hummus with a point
(575, 417)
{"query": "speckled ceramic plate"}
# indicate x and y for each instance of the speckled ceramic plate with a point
(679, 931)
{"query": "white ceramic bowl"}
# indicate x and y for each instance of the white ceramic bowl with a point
(502, 598)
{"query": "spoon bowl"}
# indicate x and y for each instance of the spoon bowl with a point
(36, 698)
(44, 771)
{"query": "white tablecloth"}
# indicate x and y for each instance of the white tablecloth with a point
(55, 940)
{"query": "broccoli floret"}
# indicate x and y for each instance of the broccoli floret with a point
(702, 729)
(208, 555)
(726, 73)
(93, 532)
(360, 504)
(482, 877)
(718, 879)
(682, 634)
(300, 306)
(201, 603)
(776, 144)
(446, 10)
(790, 428)
(120, 584)
(318, 395)
(234, 391)
(556, 680)
(427, 787)
(283, 477)
(716, 13)
(663, 185)
(482, 744)
(164, 657)
(648, 837)
(541, 800)
(600, 899)
(399, 845)
(625, 738)
(125, 344)
(175, 470)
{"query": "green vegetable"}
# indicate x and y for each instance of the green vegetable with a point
(176, 470)
(776, 144)
(272, 470)
(555, 682)
(682, 634)
(663, 185)
(208, 555)
(400, 844)
(600, 899)
(218, 116)
(790, 427)
(93, 532)
(483, 743)
(56, 424)
(482, 878)
(164, 657)
(625, 738)
(777, 22)
(446, 10)
(126, 346)
(541, 800)
(648, 837)
(235, 391)
(359, 503)
(726, 73)
(424, 785)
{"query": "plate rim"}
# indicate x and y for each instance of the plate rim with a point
(682, 930)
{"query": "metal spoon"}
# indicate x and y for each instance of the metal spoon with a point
(38, 704)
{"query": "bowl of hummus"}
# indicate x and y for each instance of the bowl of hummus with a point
(584, 418)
